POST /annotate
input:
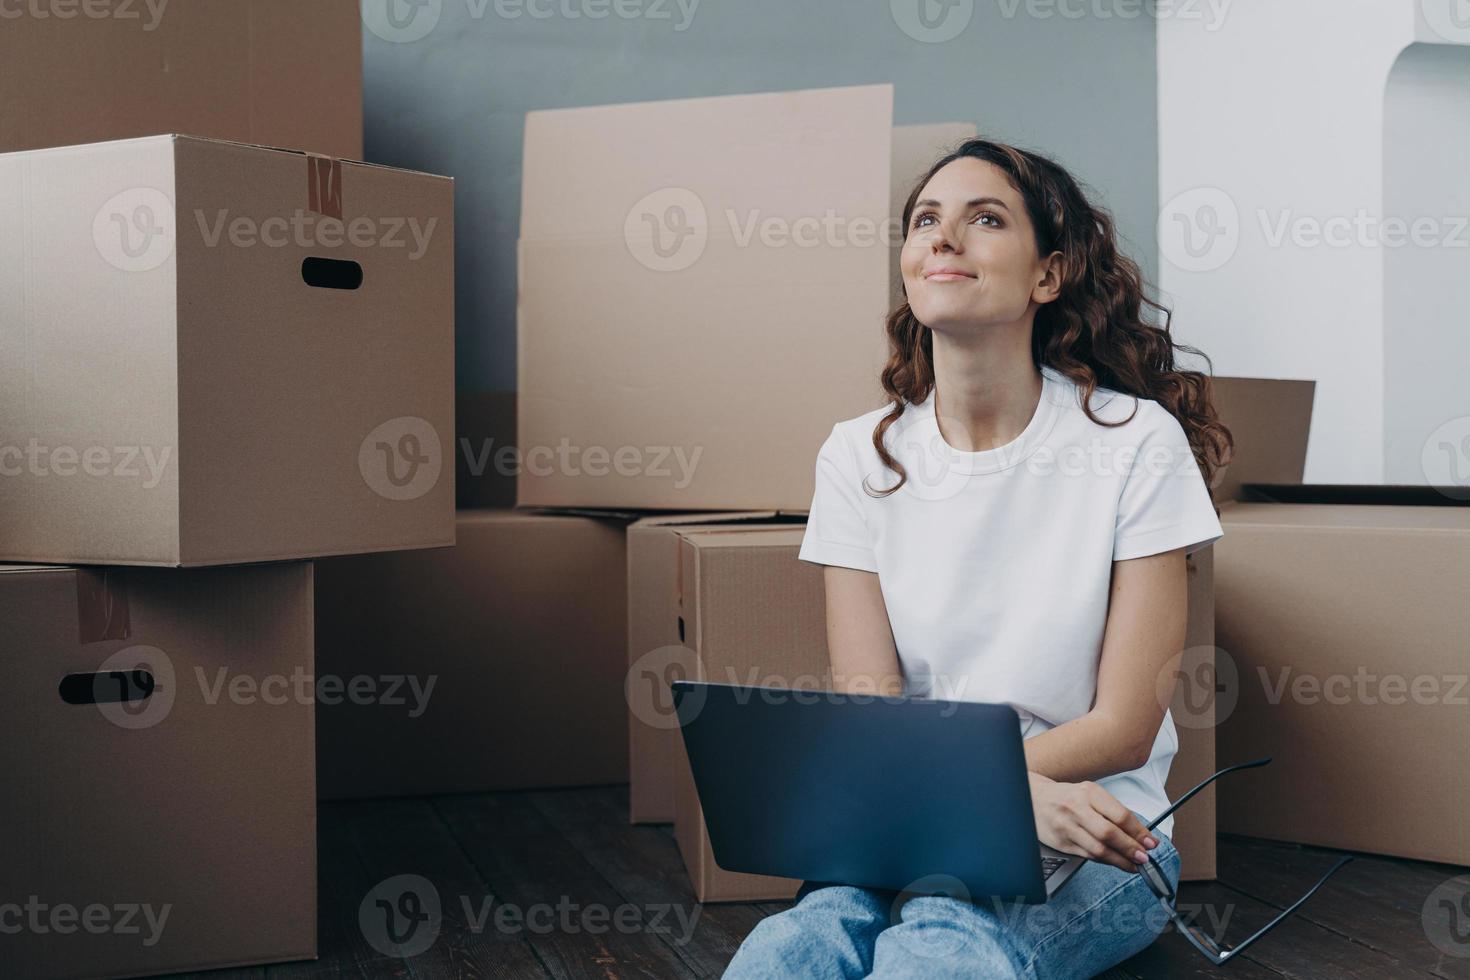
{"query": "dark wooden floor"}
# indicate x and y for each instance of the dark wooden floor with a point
(575, 849)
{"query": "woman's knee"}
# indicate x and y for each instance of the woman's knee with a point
(830, 931)
(945, 937)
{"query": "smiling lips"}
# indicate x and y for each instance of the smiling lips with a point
(947, 274)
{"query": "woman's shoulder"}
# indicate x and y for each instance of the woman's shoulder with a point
(851, 440)
(859, 428)
(1130, 416)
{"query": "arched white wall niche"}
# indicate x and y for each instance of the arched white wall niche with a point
(1274, 131)
(1426, 273)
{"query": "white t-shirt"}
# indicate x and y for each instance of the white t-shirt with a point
(995, 566)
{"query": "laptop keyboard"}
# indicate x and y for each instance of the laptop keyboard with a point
(1049, 865)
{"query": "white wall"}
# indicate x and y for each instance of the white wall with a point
(1427, 283)
(1274, 122)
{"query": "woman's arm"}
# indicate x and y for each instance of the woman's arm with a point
(1145, 630)
(859, 637)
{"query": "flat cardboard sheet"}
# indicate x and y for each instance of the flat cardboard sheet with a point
(701, 305)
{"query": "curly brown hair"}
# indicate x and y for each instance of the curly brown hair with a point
(1093, 332)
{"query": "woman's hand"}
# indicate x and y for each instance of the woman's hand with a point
(1086, 820)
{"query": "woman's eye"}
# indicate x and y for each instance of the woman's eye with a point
(990, 214)
(919, 219)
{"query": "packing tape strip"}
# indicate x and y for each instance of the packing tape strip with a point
(102, 605)
(324, 186)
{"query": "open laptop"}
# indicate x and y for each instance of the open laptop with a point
(907, 794)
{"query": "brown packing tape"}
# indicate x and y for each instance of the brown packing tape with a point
(324, 186)
(102, 605)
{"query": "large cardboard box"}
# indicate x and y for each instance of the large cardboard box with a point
(215, 353)
(273, 72)
(504, 653)
(693, 324)
(156, 749)
(1344, 624)
(1192, 708)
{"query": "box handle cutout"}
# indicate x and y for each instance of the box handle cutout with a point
(107, 687)
(322, 273)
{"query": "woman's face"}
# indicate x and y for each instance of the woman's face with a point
(969, 254)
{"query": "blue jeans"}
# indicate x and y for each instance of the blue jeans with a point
(1099, 919)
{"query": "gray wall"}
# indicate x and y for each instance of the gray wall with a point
(1080, 88)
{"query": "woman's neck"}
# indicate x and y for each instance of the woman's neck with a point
(986, 387)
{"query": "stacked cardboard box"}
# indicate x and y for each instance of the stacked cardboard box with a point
(727, 303)
(219, 359)
(1341, 626)
(160, 802)
(506, 651)
(270, 72)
